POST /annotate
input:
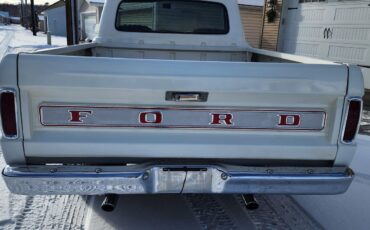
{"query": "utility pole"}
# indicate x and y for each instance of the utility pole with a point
(25, 12)
(71, 22)
(26, 9)
(75, 20)
(22, 22)
(33, 23)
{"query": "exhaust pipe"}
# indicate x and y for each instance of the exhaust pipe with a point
(250, 202)
(109, 203)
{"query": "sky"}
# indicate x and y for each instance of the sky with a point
(38, 2)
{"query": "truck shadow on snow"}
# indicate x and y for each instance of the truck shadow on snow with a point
(198, 211)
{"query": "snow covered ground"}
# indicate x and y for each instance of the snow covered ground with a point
(352, 209)
(365, 124)
(14, 38)
(347, 211)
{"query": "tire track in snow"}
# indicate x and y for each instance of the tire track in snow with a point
(51, 212)
(279, 212)
(41, 212)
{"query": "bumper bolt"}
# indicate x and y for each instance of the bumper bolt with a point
(53, 170)
(269, 171)
(224, 176)
(145, 175)
(309, 171)
(98, 170)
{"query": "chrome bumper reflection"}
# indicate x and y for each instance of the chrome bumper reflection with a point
(140, 179)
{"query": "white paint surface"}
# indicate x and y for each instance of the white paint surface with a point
(366, 74)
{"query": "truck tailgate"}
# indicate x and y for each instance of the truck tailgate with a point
(279, 111)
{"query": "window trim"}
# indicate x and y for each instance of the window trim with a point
(311, 1)
(227, 20)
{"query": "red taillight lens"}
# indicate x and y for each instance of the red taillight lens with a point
(353, 120)
(8, 114)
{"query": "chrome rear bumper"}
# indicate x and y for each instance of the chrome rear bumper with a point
(144, 179)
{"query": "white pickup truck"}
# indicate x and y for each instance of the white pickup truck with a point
(170, 98)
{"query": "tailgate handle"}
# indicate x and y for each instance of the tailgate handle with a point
(186, 96)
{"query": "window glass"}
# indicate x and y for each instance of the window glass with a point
(160, 16)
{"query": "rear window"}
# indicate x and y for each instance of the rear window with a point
(176, 16)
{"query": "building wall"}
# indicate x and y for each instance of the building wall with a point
(4, 17)
(56, 21)
(4, 20)
(270, 30)
(251, 17)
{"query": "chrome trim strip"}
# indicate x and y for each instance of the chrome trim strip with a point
(348, 101)
(10, 90)
(145, 179)
(99, 123)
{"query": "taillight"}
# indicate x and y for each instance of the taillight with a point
(354, 110)
(8, 114)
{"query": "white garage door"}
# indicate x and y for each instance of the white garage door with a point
(334, 30)
(89, 25)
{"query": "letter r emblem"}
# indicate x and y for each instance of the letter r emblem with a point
(221, 119)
